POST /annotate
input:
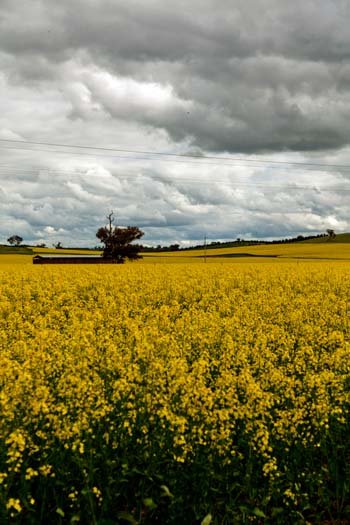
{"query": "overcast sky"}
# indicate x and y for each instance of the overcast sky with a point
(239, 79)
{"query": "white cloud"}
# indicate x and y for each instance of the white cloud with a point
(10, 135)
(49, 229)
(230, 81)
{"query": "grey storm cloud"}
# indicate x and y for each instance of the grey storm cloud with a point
(261, 77)
(244, 76)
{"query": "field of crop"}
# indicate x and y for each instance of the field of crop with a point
(301, 251)
(64, 251)
(176, 394)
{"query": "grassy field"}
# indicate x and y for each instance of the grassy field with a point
(20, 250)
(340, 238)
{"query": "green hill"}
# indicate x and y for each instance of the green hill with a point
(340, 237)
(18, 250)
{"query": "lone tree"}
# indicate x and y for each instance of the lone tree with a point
(117, 241)
(331, 234)
(15, 240)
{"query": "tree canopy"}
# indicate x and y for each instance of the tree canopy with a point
(15, 240)
(331, 233)
(117, 241)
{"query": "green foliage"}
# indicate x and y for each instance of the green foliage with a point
(15, 240)
(118, 241)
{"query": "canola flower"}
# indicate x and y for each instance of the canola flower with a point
(168, 394)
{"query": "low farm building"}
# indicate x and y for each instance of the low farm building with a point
(71, 259)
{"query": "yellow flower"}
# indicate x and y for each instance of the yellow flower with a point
(14, 504)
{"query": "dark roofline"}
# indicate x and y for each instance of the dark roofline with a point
(72, 259)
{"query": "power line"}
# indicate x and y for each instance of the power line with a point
(129, 158)
(182, 155)
(179, 179)
(266, 188)
(42, 171)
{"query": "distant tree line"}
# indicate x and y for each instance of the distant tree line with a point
(230, 244)
(119, 242)
(299, 238)
(159, 248)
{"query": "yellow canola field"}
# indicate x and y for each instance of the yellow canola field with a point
(170, 393)
(8, 260)
(301, 250)
(64, 251)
